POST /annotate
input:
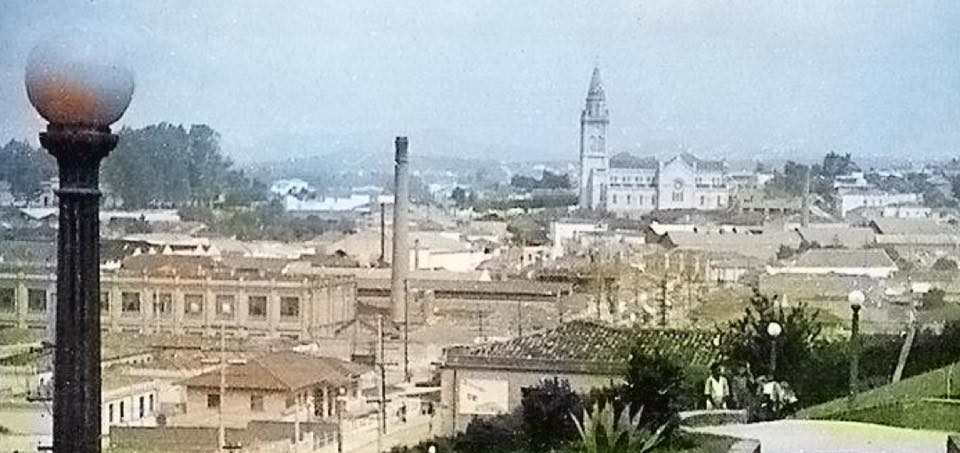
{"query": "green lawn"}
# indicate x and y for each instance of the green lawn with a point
(917, 415)
(932, 384)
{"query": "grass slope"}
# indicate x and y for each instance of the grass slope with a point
(932, 384)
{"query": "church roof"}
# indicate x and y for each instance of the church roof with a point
(700, 164)
(596, 85)
(627, 160)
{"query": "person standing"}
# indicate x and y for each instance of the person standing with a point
(741, 387)
(716, 389)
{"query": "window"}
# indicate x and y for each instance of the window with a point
(121, 411)
(142, 406)
(110, 413)
(256, 403)
(36, 300)
(703, 200)
(291, 400)
(653, 200)
(8, 300)
(151, 403)
(163, 304)
(290, 307)
(213, 400)
(678, 196)
(719, 200)
(131, 302)
(257, 307)
(640, 200)
(225, 306)
(614, 198)
(105, 301)
(628, 199)
(193, 305)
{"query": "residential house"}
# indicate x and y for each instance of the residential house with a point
(489, 379)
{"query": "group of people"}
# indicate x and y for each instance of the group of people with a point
(763, 397)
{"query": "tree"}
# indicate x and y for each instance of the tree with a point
(944, 264)
(193, 168)
(459, 196)
(785, 252)
(745, 340)
(933, 299)
(655, 383)
(546, 414)
(527, 230)
(25, 168)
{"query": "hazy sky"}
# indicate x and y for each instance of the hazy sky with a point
(720, 77)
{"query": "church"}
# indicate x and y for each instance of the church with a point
(629, 186)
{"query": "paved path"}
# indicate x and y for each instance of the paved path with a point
(816, 436)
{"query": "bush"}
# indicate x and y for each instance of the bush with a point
(547, 424)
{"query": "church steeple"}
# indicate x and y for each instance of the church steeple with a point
(593, 145)
(596, 86)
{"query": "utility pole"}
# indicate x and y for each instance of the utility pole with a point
(416, 254)
(907, 345)
(383, 380)
(560, 306)
(519, 317)
(383, 236)
(480, 318)
(221, 430)
(663, 302)
(406, 331)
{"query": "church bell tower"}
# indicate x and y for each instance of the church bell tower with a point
(593, 146)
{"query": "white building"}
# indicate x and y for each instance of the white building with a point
(849, 199)
(629, 186)
(564, 231)
(874, 263)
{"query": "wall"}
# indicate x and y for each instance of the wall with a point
(451, 379)
(236, 408)
(325, 304)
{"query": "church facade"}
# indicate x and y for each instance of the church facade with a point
(628, 185)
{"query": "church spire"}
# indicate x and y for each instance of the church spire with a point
(596, 86)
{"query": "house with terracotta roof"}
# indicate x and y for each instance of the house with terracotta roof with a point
(490, 378)
(278, 386)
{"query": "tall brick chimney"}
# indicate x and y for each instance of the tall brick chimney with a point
(401, 250)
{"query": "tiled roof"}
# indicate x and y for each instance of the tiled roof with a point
(839, 236)
(843, 258)
(888, 225)
(279, 371)
(627, 160)
(584, 346)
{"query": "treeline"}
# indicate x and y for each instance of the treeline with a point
(25, 168)
(791, 180)
(170, 165)
(548, 180)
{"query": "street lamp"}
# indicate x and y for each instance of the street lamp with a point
(856, 299)
(774, 329)
(80, 93)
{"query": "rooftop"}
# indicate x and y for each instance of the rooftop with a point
(843, 258)
(583, 346)
(281, 371)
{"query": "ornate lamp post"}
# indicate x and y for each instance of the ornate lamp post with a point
(774, 329)
(856, 299)
(81, 94)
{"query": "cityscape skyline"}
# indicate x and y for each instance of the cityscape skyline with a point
(736, 81)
